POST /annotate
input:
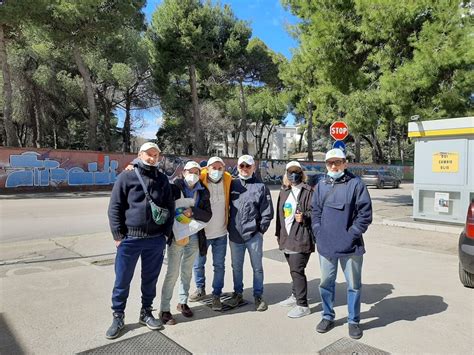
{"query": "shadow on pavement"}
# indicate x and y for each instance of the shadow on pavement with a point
(408, 308)
(276, 292)
(8, 342)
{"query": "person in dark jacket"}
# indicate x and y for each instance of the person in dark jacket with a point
(341, 213)
(137, 235)
(183, 252)
(293, 230)
(251, 211)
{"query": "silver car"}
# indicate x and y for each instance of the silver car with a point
(380, 179)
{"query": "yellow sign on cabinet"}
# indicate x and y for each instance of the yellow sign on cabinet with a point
(445, 162)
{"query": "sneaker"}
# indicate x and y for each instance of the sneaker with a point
(167, 318)
(216, 303)
(289, 302)
(260, 304)
(147, 318)
(117, 325)
(198, 295)
(185, 310)
(235, 300)
(354, 331)
(325, 326)
(299, 311)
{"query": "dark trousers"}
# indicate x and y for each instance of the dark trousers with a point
(151, 251)
(297, 263)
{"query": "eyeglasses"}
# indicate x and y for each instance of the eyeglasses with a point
(335, 162)
(246, 166)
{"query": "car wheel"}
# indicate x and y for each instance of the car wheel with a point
(380, 185)
(467, 279)
(396, 184)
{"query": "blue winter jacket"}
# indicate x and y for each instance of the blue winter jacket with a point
(347, 213)
(129, 210)
(251, 209)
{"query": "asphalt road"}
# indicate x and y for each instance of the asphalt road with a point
(51, 215)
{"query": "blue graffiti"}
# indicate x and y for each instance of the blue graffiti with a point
(30, 171)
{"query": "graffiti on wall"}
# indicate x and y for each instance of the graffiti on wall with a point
(42, 169)
(28, 169)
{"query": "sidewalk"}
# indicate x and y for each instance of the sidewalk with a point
(55, 299)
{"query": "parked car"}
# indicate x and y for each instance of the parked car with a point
(466, 250)
(380, 179)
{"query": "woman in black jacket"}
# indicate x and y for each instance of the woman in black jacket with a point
(182, 253)
(293, 230)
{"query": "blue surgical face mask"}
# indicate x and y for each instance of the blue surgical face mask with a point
(336, 174)
(244, 177)
(215, 175)
(295, 178)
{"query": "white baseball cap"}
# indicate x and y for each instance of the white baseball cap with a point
(246, 159)
(292, 164)
(213, 160)
(335, 153)
(149, 145)
(191, 164)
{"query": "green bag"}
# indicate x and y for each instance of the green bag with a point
(159, 214)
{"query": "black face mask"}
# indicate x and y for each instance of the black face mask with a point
(295, 178)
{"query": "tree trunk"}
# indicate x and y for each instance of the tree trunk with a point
(390, 133)
(357, 148)
(198, 145)
(226, 144)
(243, 122)
(11, 138)
(38, 115)
(89, 91)
(126, 134)
(310, 131)
(300, 142)
(236, 141)
(268, 140)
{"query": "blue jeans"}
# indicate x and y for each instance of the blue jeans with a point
(151, 251)
(179, 259)
(237, 251)
(219, 248)
(352, 268)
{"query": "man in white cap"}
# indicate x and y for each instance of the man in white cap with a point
(139, 234)
(251, 211)
(218, 181)
(341, 213)
(182, 252)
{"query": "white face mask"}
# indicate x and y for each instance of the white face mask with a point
(191, 179)
(148, 164)
(215, 175)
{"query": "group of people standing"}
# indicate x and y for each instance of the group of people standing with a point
(144, 205)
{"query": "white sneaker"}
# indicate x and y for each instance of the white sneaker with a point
(289, 302)
(299, 311)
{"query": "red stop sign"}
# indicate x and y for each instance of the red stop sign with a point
(339, 130)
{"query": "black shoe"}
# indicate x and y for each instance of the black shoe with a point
(325, 326)
(116, 327)
(146, 318)
(354, 331)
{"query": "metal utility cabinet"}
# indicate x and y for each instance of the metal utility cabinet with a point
(444, 168)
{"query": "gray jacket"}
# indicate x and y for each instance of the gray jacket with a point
(251, 209)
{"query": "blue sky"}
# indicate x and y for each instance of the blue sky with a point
(268, 20)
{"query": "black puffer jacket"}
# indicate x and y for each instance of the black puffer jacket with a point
(301, 238)
(202, 212)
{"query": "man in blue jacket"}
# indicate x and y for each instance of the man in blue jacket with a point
(250, 214)
(341, 213)
(138, 235)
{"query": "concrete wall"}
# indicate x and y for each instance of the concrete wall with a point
(36, 170)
